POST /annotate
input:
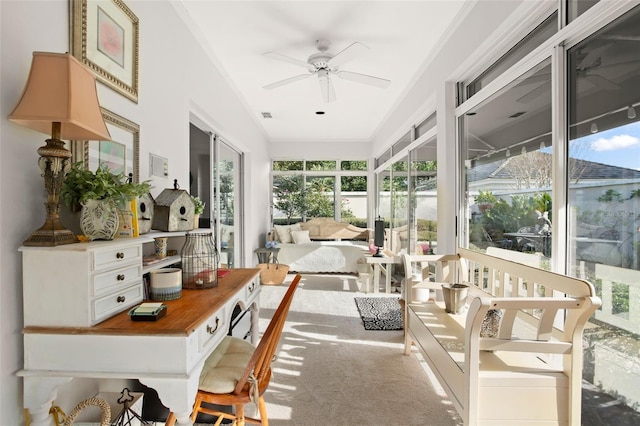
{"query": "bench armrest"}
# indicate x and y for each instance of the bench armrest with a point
(578, 311)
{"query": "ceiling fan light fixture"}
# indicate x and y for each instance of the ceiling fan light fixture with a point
(323, 74)
(323, 63)
(631, 112)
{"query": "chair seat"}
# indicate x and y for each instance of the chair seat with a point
(226, 365)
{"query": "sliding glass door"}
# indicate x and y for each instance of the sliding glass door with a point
(227, 208)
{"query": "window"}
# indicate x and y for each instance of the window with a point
(507, 141)
(423, 207)
(227, 188)
(604, 162)
(307, 189)
(576, 8)
(541, 33)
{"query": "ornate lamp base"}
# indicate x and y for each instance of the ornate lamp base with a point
(52, 233)
(53, 162)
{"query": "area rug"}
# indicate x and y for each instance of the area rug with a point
(380, 313)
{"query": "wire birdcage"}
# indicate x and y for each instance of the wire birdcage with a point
(199, 261)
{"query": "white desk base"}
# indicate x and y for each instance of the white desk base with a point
(168, 356)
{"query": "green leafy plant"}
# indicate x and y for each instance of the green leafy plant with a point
(198, 205)
(81, 184)
(485, 197)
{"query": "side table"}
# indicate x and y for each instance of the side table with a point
(378, 262)
(266, 255)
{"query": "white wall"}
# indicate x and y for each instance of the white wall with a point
(176, 78)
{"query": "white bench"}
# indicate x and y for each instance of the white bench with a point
(530, 372)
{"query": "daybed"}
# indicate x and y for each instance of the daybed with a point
(322, 245)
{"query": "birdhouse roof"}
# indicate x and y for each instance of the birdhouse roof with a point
(169, 196)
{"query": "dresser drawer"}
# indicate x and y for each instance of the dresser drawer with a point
(103, 259)
(213, 329)
(107, 281)
(252, 290)
(106, 306)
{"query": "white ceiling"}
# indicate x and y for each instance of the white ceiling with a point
(401, 36)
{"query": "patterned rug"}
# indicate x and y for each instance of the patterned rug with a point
(380, 313)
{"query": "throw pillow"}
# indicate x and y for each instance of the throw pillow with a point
(225, 233)
(284, 232)
(300, 237)
(491, 323)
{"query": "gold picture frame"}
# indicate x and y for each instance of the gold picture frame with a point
(104, 37)
(121, 154)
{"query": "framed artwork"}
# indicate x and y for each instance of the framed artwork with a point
(120, 155)
(104, 37)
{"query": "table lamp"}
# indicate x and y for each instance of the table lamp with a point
(378, 236)
(60, 99)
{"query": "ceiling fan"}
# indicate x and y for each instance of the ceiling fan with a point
(324, 65)
(589, 69)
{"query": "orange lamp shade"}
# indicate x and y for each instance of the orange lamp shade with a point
(61, 89)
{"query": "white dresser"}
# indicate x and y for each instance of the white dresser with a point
(79, 285)
(72, 328)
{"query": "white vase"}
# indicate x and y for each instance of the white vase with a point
(99, 220)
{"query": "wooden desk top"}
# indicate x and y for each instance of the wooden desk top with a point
(183, 317)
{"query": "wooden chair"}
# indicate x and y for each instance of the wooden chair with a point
(237, 373)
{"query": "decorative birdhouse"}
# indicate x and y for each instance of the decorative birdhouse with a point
(173, 210)
(145, 206)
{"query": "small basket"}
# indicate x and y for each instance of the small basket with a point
(273, 273)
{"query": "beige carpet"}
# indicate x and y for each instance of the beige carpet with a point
(331, 371)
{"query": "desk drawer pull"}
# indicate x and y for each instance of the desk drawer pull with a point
(119, 255)
(120, 277)
(121, 299)
(252, 287)
(212, 330)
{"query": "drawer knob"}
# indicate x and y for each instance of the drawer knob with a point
(119, 255)
(120, 277)
(252, 287)
(121, 299)
(212, 330)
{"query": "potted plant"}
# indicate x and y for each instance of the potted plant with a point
(198, 205)
(101, 194)
(485, 200)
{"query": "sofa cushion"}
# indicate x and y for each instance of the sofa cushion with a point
(300, 237)
(284, 232)
(225, 233)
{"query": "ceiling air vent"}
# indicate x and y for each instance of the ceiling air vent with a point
(266, 115)
(517, 114)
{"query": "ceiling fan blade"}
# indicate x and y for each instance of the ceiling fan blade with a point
(593, 56)
(326, 87)
(287, 81)
(382, 83)
(347, 54)
(535, 93)
(289, 59)
(600, 81)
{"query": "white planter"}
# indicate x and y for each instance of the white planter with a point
(99, 220)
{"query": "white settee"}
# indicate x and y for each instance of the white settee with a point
(322, 245)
